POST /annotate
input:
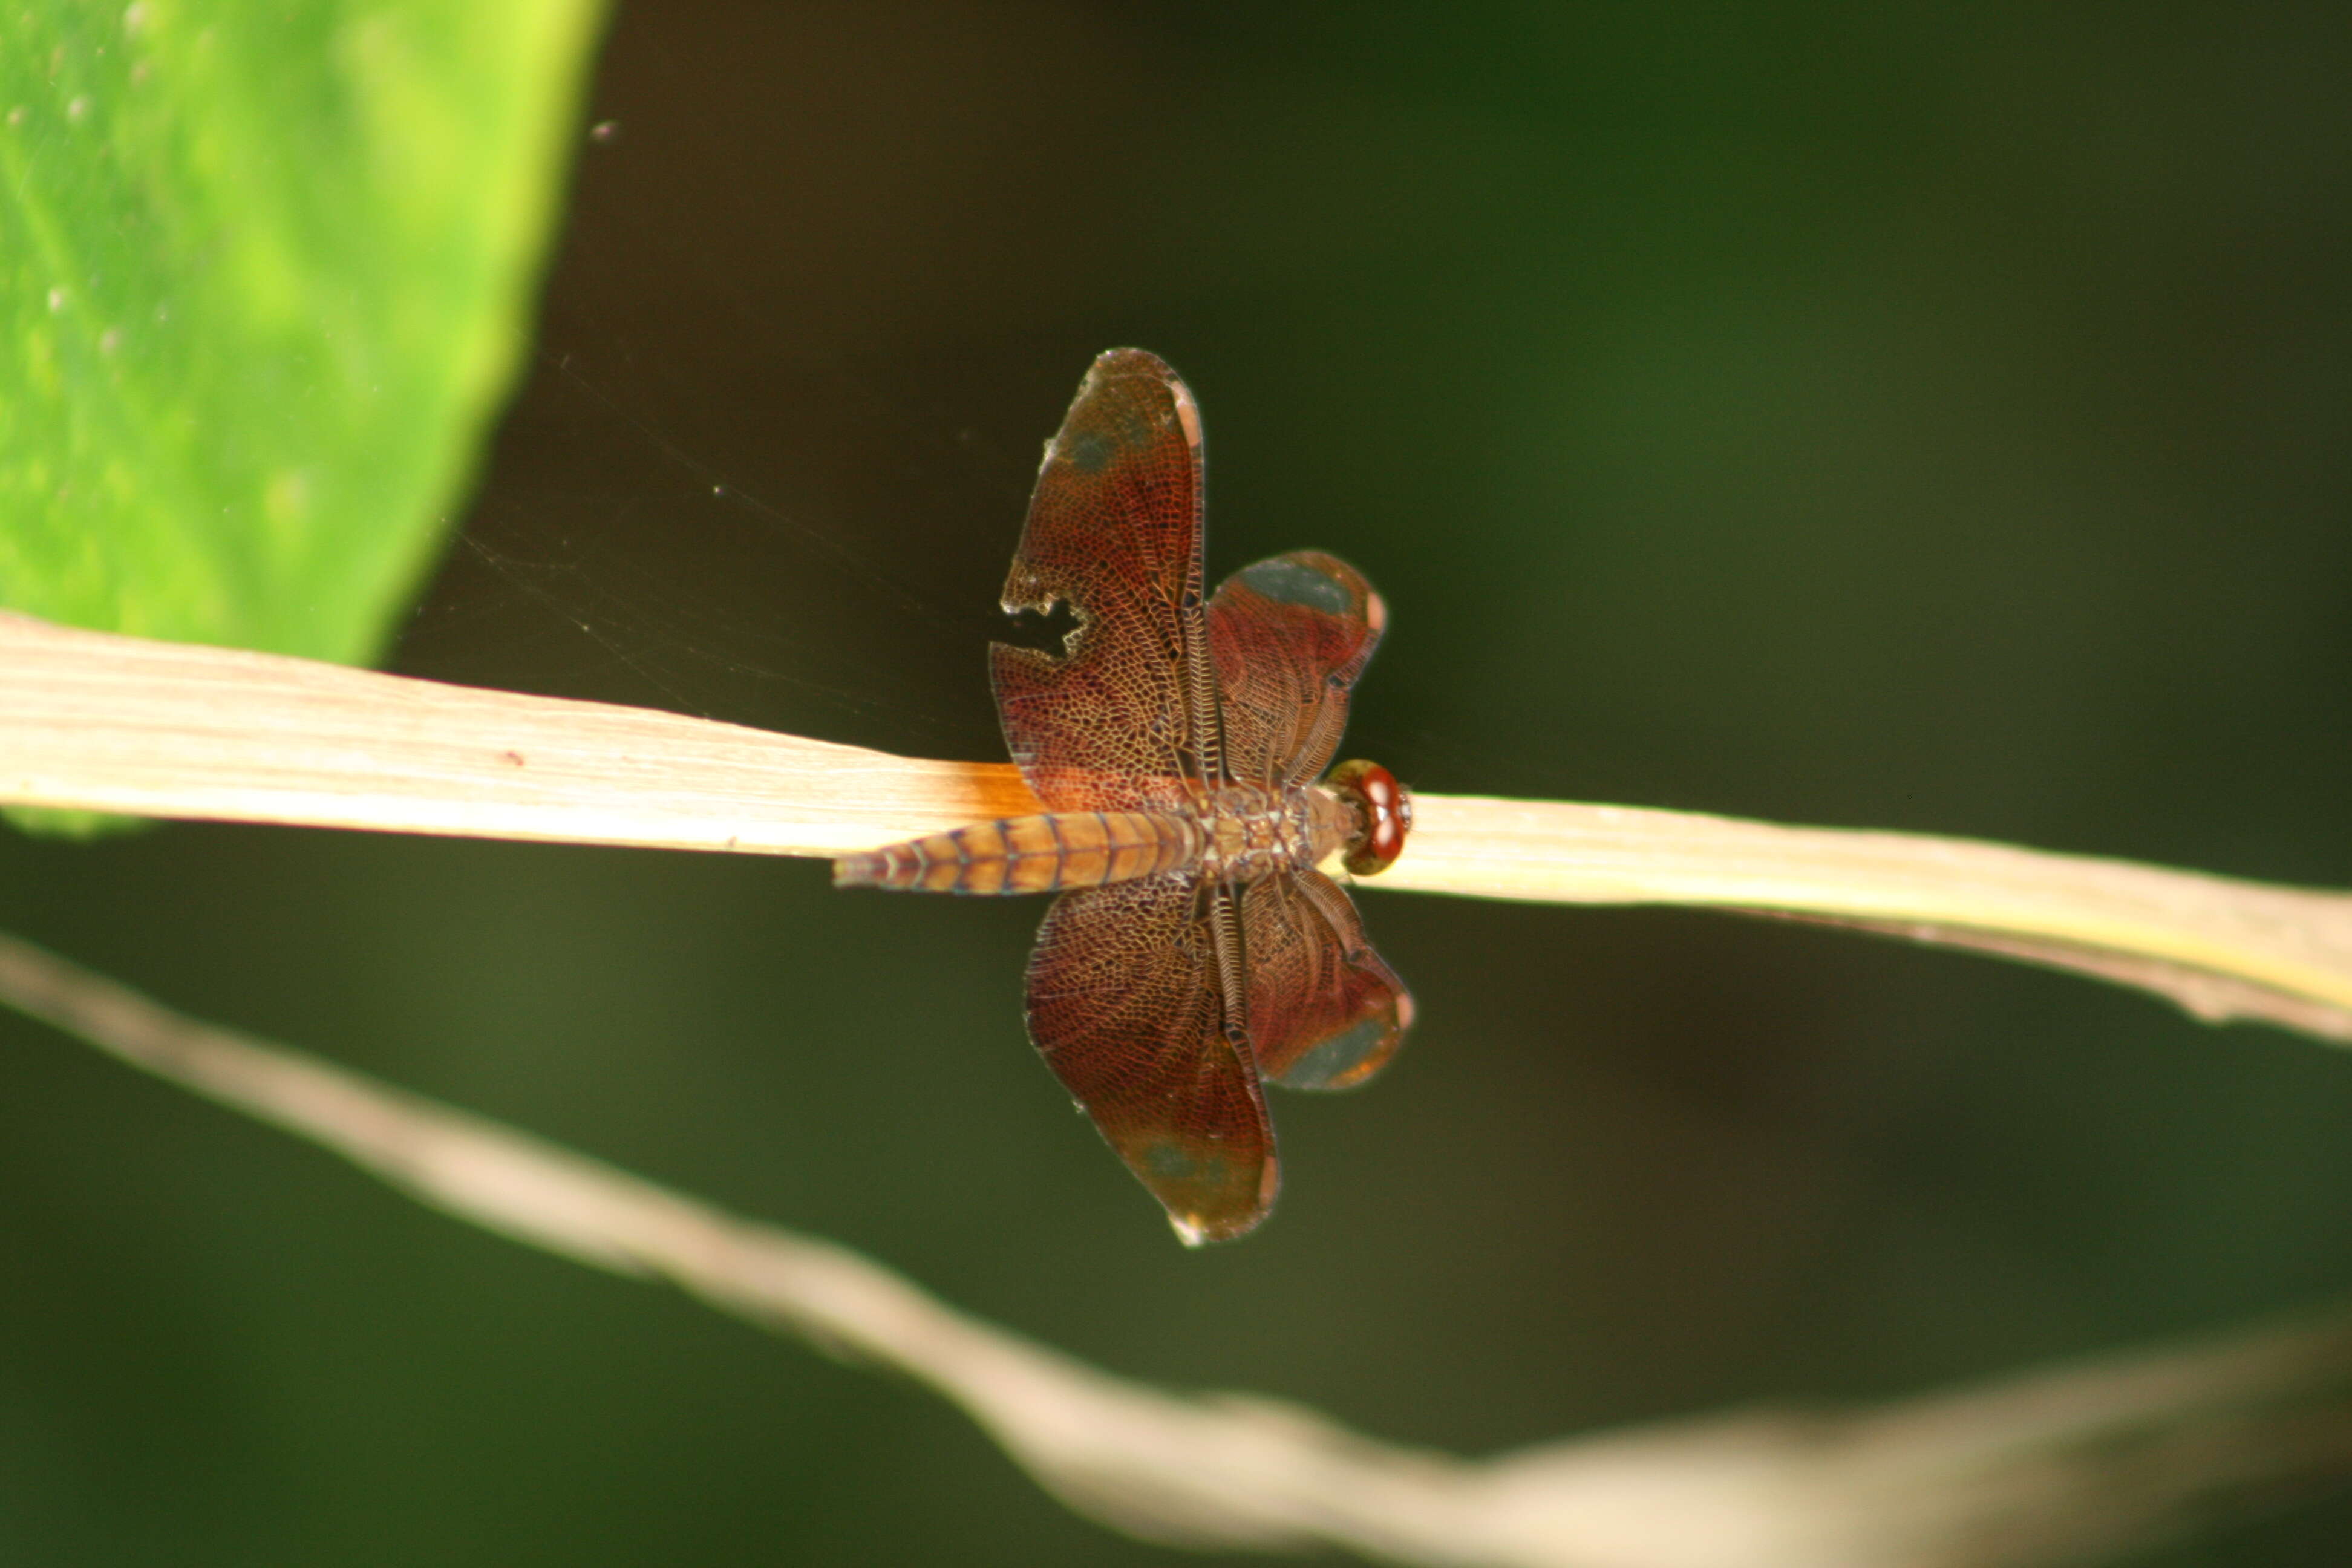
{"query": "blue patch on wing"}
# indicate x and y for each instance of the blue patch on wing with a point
(1089, 452)
(1170, 1160)
(1290, 581)
(1328, 1064)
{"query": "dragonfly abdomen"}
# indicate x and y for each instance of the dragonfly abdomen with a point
(1041, 854)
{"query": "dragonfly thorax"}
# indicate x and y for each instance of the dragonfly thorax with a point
(1250, 830)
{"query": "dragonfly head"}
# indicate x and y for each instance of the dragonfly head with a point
(1383, 814)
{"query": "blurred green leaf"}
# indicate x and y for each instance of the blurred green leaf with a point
(263, 272)
(263, 276)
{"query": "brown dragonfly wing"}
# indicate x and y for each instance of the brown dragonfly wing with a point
(1324, 1011)
(1126, 1004)
(1114, 531)
(1288, 637)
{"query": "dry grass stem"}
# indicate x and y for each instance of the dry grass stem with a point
(114, 723)
(153, 729)
(2046, 1467)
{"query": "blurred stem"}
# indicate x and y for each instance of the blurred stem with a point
(2046, 1467)
(94, 721)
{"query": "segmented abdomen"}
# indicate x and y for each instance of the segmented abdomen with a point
(1031, 853)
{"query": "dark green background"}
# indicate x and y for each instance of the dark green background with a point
(1882, 416)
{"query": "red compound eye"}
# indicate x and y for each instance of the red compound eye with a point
(1385, 808)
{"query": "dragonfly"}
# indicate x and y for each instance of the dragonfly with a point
(1195, 953)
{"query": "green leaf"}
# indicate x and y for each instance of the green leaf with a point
(264, 272)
